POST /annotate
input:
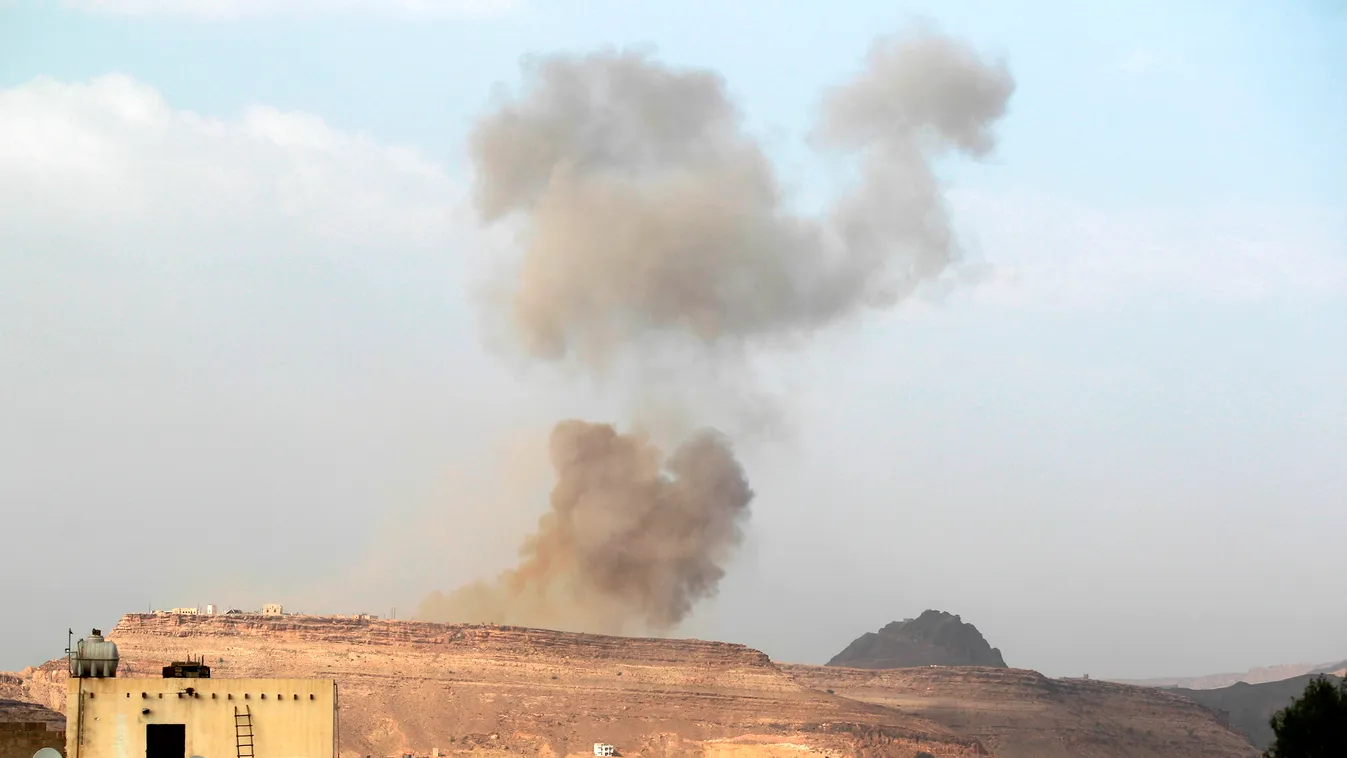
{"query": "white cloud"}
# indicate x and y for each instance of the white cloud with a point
(249, 327)
(112, 154)
(236, 9)
(1051, 252)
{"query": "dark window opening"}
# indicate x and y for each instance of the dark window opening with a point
(165, 741)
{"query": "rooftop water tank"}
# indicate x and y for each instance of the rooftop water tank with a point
(94, 657)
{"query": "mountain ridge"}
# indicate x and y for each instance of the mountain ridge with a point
(1258, 675)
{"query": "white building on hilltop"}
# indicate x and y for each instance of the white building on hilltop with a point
(602, 749)
(273, 609)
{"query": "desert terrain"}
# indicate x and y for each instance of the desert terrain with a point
(411, 687)
(1016, 713)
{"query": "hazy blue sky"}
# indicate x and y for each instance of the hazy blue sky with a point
(240, 360)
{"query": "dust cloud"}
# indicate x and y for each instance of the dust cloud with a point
(653, 230)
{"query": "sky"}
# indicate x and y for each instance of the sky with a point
(242, 358)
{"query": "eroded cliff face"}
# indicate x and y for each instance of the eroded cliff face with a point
(408, 686)
(42, 685)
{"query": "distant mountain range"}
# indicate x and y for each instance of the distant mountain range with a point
(934, 638)
(1252, 676)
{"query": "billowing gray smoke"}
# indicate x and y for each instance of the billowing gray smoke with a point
(650, 211)
(650, 220)
(632, 538)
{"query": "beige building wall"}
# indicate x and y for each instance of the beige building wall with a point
(291, 718)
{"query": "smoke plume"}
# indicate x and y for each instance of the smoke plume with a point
(652, 224)
(650, 212)
(632, 540)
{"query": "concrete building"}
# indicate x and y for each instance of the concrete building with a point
(604, 749)
(210, 609)
(201, 718)
(187, 713)
(273, 609)
(184, 611)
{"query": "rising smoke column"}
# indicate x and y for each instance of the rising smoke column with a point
(651, 222)
(632, 540)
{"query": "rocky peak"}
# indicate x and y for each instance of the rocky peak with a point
(933, 638)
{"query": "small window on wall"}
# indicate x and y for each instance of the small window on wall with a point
(165, 741)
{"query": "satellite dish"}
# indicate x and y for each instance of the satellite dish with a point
(47, 752)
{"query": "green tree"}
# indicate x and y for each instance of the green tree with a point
(1314, 725)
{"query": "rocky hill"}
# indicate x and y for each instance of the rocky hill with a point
(934, 638)
(492, 692)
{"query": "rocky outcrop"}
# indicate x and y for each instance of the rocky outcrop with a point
(934, 638)
(40, 685)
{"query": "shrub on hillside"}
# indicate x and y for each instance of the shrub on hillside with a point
(1314, 725)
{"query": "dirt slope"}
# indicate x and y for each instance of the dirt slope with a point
(25, 712)
(1023, 714)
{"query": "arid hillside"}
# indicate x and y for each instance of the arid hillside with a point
(409, 686)
(13, 710)
(1023, 714)
(1251, 705)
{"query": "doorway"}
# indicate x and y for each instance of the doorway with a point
(165, 741)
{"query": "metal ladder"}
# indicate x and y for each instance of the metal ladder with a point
(243, 732)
